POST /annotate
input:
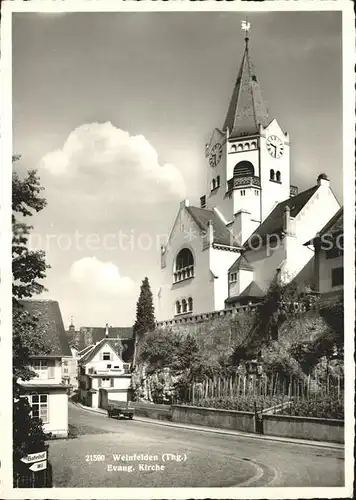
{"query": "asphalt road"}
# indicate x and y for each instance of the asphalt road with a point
(183, 457)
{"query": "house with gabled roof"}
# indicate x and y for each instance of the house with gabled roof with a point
(328, 245)
(102, 367)
(47, 393)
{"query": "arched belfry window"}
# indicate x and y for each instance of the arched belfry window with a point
(184, 265)
(271, 174)
(184, 306)
(244, 168)
(278, 176)
(178, 307)
(190, 304)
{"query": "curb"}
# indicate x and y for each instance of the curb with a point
(215, 430)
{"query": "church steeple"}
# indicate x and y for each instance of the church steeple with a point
(247, 109)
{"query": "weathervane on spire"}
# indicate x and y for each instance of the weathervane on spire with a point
(245, 26)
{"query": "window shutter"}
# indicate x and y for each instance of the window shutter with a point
(99, 382)
(111, 382)
(51, 365)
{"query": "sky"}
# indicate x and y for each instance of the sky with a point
(114, 111)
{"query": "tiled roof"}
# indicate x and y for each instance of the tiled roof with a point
(50, 322)
(119, 346)
(252, 290)
(221, 234)
(273, 224)
(98, 333)
(241, 264)
(247, 109)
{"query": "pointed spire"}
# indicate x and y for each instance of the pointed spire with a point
(247, 109)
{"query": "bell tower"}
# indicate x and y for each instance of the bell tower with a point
(248, 168)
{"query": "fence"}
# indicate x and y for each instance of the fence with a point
(263, 387)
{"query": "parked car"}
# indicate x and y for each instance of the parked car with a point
(120, 408)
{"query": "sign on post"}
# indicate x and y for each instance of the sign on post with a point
(39, 466)
(34, 457)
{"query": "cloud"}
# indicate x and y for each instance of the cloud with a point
(103, 277)
(100, 157)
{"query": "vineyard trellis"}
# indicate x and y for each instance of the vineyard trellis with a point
(263, 387)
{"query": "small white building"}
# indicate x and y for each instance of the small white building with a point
(329, 257)
(47, 393)
(101, 366)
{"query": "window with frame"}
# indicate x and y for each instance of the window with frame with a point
(106, 356)
(184, 265)
(39, 406)
(40, 367)
(337, 276)
(190, 304)
(233, 277)
(242, 192)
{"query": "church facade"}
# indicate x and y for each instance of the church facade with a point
(251, 224)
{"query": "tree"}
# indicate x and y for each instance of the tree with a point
(28, 268)
(145, 318)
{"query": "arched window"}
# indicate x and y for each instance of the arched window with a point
(184, 306)
(184, 265)
(178, 307)
(233, 148)
(244, 168)
(213, 184)
(190, 304)
(247, 146)
(278, 176)
(218, 181)
(271, 174)
(240, 147)
(253, 145)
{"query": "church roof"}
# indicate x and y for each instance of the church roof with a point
(241, 264)
(334, 226)
(49, 320)
(273, 224)
(247, 109)
(221, 234)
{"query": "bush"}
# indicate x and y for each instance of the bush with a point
(326, 406)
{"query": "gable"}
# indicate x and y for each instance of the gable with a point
(114, 346)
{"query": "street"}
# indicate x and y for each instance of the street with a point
(136, 453)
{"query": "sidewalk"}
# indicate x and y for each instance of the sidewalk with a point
(215, 430)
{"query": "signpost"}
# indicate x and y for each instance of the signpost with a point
(34, 457)
(39, 466)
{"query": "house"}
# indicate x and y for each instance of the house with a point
(251, 223)
(70, 369)
(103, 366)
(48, 392)
(328, 245)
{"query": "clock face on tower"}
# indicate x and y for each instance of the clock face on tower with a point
(275, 146)
(215, 155)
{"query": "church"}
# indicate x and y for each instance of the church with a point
(251, 225)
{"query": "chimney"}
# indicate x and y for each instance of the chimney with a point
(184, 203)
(286, 220)
(210, 232)
(106, 330)
(323, 180)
